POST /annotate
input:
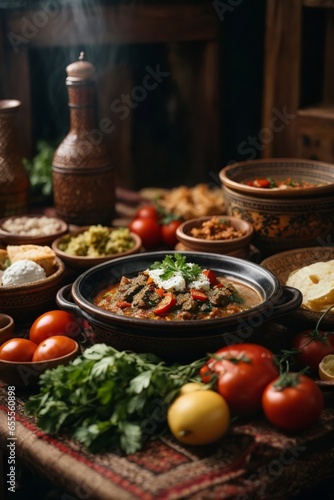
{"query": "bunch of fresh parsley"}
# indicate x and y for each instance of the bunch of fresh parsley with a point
(109, 400)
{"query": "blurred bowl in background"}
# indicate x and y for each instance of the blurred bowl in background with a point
(282, 219)
(7, 327)
(31, 229)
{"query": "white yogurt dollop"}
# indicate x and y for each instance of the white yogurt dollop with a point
(22, 271)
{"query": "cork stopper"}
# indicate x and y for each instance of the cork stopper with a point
(80, 70)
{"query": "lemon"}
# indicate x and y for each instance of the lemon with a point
(326, 368)
(199, 417)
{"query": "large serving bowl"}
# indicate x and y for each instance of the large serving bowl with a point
(176, 340)
(24, 302)
(283, 219)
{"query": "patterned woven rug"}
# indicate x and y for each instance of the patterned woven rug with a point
(252, 461)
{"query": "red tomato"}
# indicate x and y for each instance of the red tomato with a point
(242, 371)
(17, 349)
(168, 232)
(149, 231)
(312, 346)
(53, 323)
(54, 347)
(147, 212)
(292, 402)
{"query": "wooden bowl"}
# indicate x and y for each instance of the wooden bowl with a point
(24, 302)
(7, 326)
(8, 237)
(26, 374)
(283, 219)
(83, 262)
(215, 246)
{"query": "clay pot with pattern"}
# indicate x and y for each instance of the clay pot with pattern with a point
(14, 180)
(82, 172)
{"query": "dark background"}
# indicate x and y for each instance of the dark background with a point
(159, 146)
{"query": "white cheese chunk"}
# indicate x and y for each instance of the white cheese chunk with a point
(22, 271)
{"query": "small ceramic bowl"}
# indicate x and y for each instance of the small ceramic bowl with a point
(26, 374)
(49, 228)
(84, 262)
(24, 302)
(223, 246)
(7, 326)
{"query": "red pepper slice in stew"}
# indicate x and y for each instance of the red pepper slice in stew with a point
(211, 277)
(166, 304)
(198, 295)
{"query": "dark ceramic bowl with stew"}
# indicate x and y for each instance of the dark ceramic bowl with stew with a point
(179, 340)
(297, 213)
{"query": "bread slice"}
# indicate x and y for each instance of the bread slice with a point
(42, 255)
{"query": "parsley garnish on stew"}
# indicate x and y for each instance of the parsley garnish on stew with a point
(177, 264)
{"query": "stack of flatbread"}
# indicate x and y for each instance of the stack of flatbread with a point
(316, 282)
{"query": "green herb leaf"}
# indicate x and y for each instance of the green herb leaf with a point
(103, 397)
(177, 264)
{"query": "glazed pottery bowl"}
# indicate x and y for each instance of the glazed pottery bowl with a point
(283, 219)
(24, 302)
(46, 229)
(284, 263)
(176, 340)
(221, 246)
(86, 262)
(26, 374)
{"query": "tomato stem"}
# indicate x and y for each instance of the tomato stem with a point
(285, 380)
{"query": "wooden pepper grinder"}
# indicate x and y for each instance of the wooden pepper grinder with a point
(82, 172)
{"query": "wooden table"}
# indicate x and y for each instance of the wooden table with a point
(253, 460)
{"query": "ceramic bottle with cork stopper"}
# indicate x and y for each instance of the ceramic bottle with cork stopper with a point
(83, 173)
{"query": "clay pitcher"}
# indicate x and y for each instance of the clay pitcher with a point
(14, 179)
(82, 172)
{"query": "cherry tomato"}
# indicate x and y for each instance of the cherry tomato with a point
(54, 347)
(168, 232)
(147, 212)
(292, 402)
(242, 371)
(149, 231)
(312, 346)
(53, 323)
(17, 349)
